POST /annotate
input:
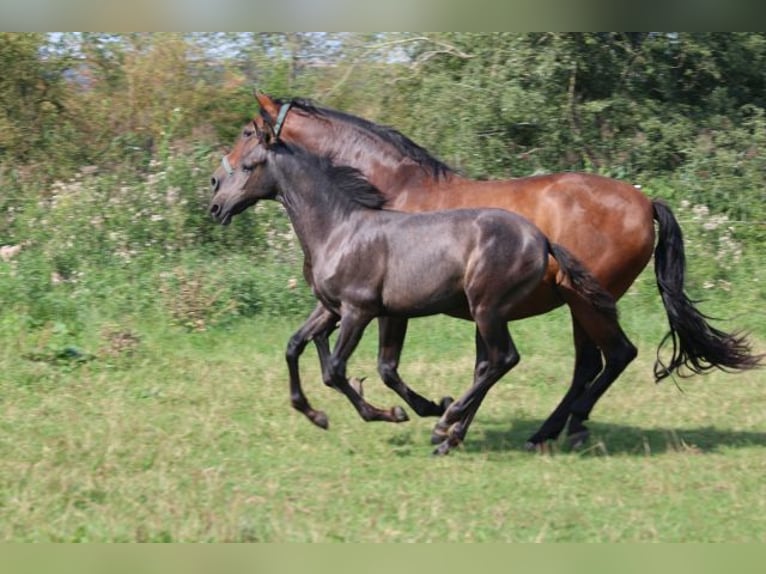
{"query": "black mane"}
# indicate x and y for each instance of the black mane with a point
(345, 187)
(389, 135)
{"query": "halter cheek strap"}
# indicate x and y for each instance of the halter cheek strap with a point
(281, 118)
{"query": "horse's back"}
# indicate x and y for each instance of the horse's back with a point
(606, 223)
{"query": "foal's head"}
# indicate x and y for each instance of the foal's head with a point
(248, 176)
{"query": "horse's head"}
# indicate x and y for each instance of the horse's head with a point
(271, 120)
(244, 176)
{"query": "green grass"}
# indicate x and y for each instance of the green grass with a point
(176, 436)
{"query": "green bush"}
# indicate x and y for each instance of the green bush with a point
(108, 142)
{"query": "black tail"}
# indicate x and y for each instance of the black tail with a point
(583, 282)
(696, 345)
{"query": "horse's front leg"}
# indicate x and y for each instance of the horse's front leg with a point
(320, 323)
(352, 326)
(392, 331)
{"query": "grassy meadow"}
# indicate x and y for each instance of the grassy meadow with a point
(172, 435)
(143, 386)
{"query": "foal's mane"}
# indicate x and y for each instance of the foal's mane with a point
(386, 134)
(344, 187)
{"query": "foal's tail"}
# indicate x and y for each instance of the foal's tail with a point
(584, 282)
(696, 345)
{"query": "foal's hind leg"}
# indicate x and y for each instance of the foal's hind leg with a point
(495, 355)
(588, 365)
(352, 327)
(392, 331)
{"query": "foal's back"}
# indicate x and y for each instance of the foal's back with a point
(441, 262)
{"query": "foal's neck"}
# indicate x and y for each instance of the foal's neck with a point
(306, 193)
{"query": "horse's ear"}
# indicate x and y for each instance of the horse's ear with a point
(267, 104)
(266, 134)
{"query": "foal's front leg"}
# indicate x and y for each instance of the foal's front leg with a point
(320, 323)
(352, 327)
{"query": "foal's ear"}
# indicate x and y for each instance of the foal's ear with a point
(268, 105)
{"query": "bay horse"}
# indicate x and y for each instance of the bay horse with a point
(365, 262)
(607, 224)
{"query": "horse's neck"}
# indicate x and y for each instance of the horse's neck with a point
(384, 166)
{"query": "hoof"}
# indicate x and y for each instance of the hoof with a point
(320, 420)
(443, 449)
(531, 446)
(542, 447)
(577, 440)
(445, 403)
(439, 435)
(399, 415)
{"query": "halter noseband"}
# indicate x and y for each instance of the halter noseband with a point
(277, 128)
(227, 165)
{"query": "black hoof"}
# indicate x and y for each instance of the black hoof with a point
(543, 447)
(399, 415)
(445, 403)
(531, 446)
(442, 450)
(577, 440)
(533, 443)
(320, 419)
(439, 435)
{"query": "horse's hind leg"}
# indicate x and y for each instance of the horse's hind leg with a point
(588, 364)
(618, 352)
(392, 331)
(320, 323)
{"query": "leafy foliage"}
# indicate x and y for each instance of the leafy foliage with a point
(107, 141)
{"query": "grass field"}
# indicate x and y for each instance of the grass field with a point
(175, 436)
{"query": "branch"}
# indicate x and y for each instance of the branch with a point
(446, 48)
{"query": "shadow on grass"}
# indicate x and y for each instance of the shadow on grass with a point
(614, 438)
(605, 439)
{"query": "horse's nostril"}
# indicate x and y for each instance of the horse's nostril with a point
(214, 183)
(214, 209)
